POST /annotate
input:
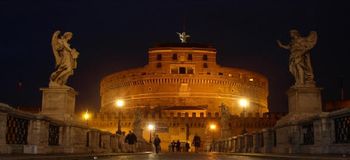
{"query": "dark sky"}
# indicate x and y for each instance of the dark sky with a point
(115, 35)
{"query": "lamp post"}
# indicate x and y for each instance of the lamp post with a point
(244, 103)
(119, 104)
(151, 127)
(212, 128)
(86, 117)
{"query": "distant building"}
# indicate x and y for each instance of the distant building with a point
(336, 105)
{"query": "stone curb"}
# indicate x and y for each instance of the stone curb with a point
(318, 157)
(55, 156)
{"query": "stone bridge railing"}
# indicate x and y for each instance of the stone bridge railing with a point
(326, 133)
(22, 132)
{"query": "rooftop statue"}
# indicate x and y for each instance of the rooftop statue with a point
(65, 57)
(299, 58)
(183, 37)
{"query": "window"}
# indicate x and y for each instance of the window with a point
(220, 74)
(174, 56)
(189, 70)
(205, 65)
(159, 57)
(205, 57)
(189, 57)
(174, 70)
(159, 65)
(182, 70)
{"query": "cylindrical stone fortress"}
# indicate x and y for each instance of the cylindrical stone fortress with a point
(185, 76)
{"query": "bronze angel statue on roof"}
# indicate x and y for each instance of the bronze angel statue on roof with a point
(65, 56)
(299, 59)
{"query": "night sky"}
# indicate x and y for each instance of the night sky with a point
(114, 35)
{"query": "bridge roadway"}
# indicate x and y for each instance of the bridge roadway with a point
(174, 156)
(190, 156)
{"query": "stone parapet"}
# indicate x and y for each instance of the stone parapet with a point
(22, 132)
(324, 133)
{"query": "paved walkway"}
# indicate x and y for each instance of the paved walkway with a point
(294, 156)
(175, 156)
(64, 156)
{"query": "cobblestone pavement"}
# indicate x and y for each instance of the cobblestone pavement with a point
(184, 156)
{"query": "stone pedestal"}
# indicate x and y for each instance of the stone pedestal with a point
(58, 102)
(304, 105)
(304, 100)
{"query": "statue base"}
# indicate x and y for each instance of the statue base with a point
(303, 99)
(58, 102)
(304, 105)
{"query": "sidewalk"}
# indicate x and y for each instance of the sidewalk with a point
(294, 156)
(61, 156)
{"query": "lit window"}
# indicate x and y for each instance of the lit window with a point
(190, 70)
(174, 70)
(251, 79)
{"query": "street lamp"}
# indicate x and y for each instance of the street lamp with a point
(151, 127)
(119, 103)
(86, 116)
(244, 103)
(212, 128)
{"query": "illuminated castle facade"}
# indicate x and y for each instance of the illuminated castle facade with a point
(180, 90)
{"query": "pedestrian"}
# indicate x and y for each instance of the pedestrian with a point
(196, 142)
(178, 146)
(131, 140)
(187, 147)
(173, 144)
(156, 143)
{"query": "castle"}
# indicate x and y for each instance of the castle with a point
(180, 91)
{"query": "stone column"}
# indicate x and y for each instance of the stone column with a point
(58, 102)
(323, 134)
(256, 142)
(66, 140)
(38, 135)
(268, 141)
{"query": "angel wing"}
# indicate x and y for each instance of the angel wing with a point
(56, 46)
(311, 40)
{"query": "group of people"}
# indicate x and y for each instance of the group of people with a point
(176, 146)
(131, 140)
(185, 147)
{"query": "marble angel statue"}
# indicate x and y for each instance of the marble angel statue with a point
(65, 57)
(299, 58)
